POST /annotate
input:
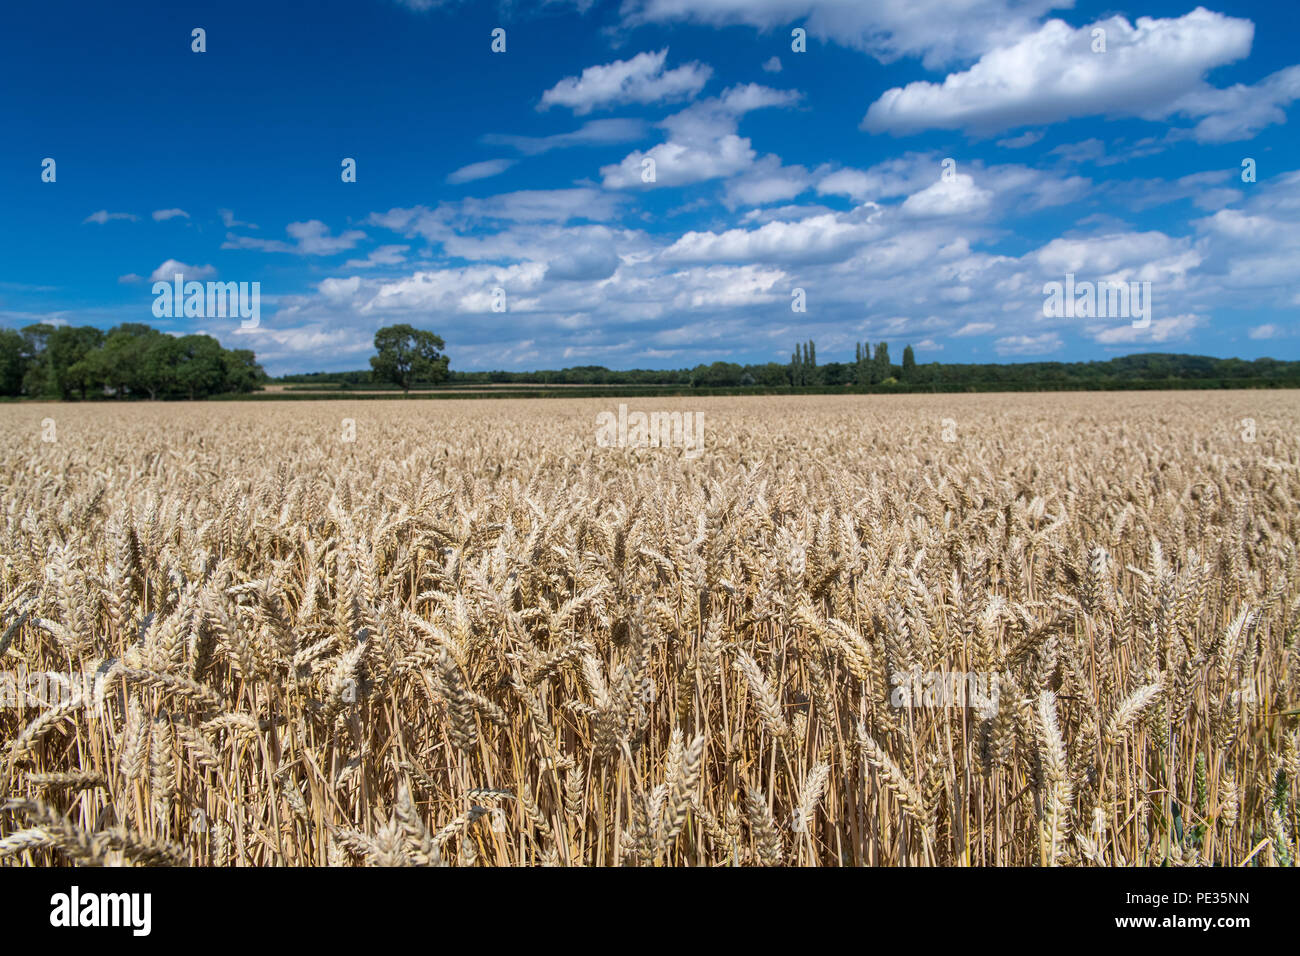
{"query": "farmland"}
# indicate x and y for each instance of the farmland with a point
(1031, 629)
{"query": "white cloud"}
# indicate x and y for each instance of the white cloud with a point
(1149, 70)
(702, 141)
(938, 30)
(974, 189)
(785, 213)
(382, 256)
(821, 238)
(1041, 344)
(597, 132)
(483, 170)
(446, 222)
(280, 348)
(168, 270)
(766, 182)
(584, 262)
(641, 79)
(900, 176)
(104, 216)
(1266, 331)
(1128, 256)
(853, 183)
(1027, 138)
(727, 287)
(958, 196)
(596, 291)
(161, 215)
(679, 164)
(340, 290)
(772, 65)
(311, 238)
(230, 222)
(1240, 111)
(1168, 329)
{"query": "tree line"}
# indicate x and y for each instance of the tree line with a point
(131, 360)
(872, 368)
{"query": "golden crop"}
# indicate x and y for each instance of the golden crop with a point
(473, 636)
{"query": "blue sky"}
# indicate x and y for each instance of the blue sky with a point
(775, 170)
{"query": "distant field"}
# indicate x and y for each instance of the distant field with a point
(1028, 629)
(276, 388)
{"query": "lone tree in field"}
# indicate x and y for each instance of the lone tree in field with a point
(408, 355)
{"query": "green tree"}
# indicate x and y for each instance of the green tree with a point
(66, 347)
(408, 355)
(883, 369)
(38, 377)
(717, 375)
(123, 361)
(12, 362)
(773, 375)
(909, 364)
(198, 369)
(159, 358)
(835, 374)
(242, 373)
(862, 364)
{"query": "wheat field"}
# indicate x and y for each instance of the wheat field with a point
(472, 637)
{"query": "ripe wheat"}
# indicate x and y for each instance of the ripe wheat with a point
(474, 637)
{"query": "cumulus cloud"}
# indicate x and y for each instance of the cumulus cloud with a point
(974, 190)
(900, 176)
(584, 291)
(958, 196)
(767, 181)
(587, 262)
(641, 79)
(940, 31)
(702, 143)
(820, 238)
(1130, 255)
(1150, 69)
(168, 270)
